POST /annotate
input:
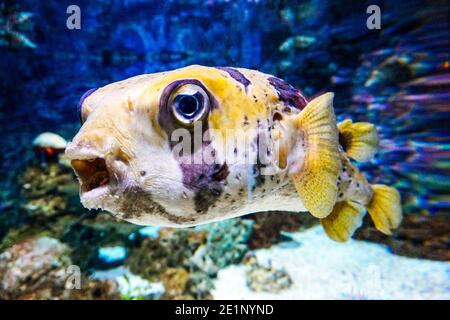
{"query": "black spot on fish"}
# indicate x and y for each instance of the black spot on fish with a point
(277, 116)
(204, 198)
(259, 178)
(205, 180)
(236, 75)
(221, 173)
(288, 94)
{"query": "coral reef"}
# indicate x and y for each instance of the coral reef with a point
(89, 234)
(172, 249)
(50, 205)
(39, 268)
(186, 259)
(199, 285)
(168, 259)
(130, 286)
(226, 243)
(49, 190)
(262, 276)
(419, 235)
(175, 280)
(269, 226)
(35, 263)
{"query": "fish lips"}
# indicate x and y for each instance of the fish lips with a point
(102, 178)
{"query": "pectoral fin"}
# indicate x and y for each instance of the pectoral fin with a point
(315, 180)
(359, 139)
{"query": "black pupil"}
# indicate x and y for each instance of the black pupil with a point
(188, 105)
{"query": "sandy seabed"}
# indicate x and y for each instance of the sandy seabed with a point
(323, 269)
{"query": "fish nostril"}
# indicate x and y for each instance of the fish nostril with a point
(93, 173)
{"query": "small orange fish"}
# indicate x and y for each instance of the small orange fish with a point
(202, 144)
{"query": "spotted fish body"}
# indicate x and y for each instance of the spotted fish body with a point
(255, 144)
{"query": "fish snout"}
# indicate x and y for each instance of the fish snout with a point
(98, 167)
(89, 164)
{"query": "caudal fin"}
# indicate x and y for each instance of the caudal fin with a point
(385, 208)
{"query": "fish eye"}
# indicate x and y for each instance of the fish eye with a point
(189, 104)
(82, 112)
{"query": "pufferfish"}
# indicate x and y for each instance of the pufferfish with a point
(252, 143)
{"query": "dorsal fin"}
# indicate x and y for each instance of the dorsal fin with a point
(315, 180)
(359, 140)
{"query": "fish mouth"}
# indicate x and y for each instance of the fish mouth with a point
(102, 176)
(92, 173)
(98, 181)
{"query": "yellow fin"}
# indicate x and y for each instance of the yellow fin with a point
(316, 180)
(385, 208)
(345, 218)
(359, 139)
